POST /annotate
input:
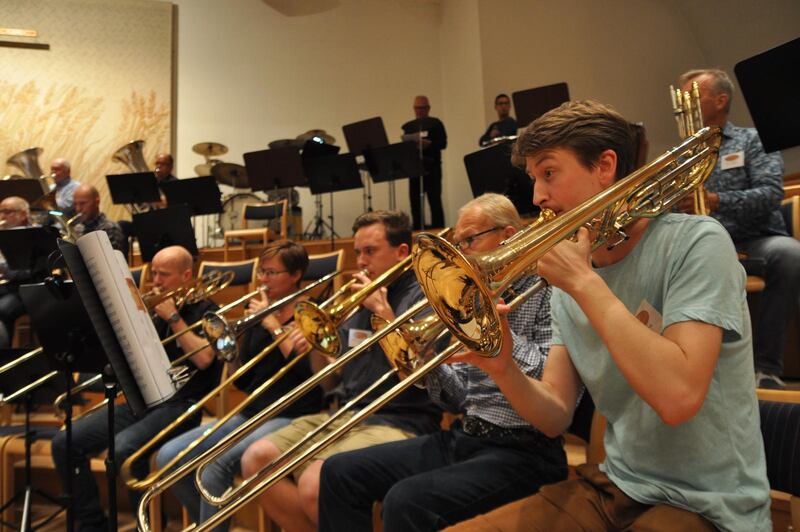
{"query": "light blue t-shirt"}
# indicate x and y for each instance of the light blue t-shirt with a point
(684, 268)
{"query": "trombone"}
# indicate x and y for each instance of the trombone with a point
(27, 388)
(235, 329)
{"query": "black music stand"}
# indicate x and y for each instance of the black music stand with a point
(275, 168)
(19, 385)
(490, 170)
(200, 194)
(769, 84)
(161, 228)
(28, 189)
(363, 136)
(132, 189)
(530, 104)
(330, 174)
(28, 248)
(393, 162)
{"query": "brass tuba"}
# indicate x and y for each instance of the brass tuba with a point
(132, 156)
(28, 162)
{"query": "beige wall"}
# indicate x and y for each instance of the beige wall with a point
(248, 74)
(104, 81)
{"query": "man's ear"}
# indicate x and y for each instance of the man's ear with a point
(722, 101)
(403, 250)
(508, 231)
(607, 164)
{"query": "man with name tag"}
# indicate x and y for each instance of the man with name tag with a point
(382, 239)
(489, 458)
(171, 267)
(744, 193)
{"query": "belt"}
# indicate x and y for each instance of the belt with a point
(480, 428)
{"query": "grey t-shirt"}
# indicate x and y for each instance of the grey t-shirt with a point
(684, 269)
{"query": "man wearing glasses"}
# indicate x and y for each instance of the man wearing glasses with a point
(14, 212)
(490, 456)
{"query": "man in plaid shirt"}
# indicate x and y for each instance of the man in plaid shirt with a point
(490, 457)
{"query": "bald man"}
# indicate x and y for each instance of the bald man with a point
(87, 203)
(60, 171)
(171, 267)
(430, 133)
(14, 212)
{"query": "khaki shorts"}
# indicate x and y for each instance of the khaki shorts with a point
(357, 438)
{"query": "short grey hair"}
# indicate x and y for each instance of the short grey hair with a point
(497, 207)
(721, 82)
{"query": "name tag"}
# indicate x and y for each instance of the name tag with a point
(424, 134)
(732, 160)
(356, 336)
(648, 315)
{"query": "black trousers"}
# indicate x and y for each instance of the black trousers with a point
(434, 481)
(432, 184)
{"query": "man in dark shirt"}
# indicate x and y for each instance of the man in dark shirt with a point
(382, 239)
(87, 203)
(171, 267)
(14, 212)
(505, 126)
(429, 133)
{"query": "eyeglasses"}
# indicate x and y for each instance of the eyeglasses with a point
(465, 243)
(9, 211)
(270, 273)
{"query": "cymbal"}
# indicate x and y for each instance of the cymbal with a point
(205, 168)
(316, 135)
(234, 175)
(210, 149)
(283, 143)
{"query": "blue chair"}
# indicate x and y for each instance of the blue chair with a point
(322, 264)
(790, 210)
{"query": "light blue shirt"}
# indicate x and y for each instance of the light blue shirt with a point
(64, 194)
(685, 268)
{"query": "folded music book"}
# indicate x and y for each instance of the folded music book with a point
(107, 273)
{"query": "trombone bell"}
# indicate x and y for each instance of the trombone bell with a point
(317, 326)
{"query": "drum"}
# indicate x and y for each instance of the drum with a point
(231, 216)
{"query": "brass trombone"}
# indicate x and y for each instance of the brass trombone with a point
(25, 389)
(232, 330)
(192, 291)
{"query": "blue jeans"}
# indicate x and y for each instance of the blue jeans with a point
(90, 436)
(219, 475)
(433, 481)
(779, 258)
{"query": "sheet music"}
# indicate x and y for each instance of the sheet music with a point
(128, 316)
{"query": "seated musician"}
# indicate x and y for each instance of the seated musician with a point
(86, 201)
(491, 457)
(657, 330)
(382, 239)
(282, 265)
(744, 193)
(14, 212)
(171, 267)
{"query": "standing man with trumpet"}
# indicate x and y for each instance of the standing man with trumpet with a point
(657, 329)
(491, 457)
(281, 267)
(86, 201)
(382, 240)
(171, 268)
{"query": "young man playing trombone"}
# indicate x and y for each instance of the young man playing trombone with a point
(491, 457)
(282, 265)
(171, 268)
(657, 329)
(382, 240)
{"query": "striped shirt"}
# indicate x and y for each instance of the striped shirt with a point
(466, 389)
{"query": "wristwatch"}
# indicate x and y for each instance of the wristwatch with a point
(277, 332)
(174, 318)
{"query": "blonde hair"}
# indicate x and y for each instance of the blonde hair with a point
(497, 207)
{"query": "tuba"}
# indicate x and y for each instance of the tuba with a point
(28, 162)
(132, 156)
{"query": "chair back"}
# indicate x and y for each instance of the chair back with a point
(780, 425)
(244, 280)
(790, 210)
(277, 211)
(140, 275)
(321, 264)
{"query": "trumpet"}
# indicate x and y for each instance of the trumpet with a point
(248, 426)
(232, 330)
(238, 497)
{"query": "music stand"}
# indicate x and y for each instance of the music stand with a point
(769, 84)
(392, 162)
(30, 383)
(131, 189)
(530, 104)
(366, 135)
(200, 194)
(161, 228)
(28, 189)
(275, 168)
(330, 174)
(490, 170)
(28, 248)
